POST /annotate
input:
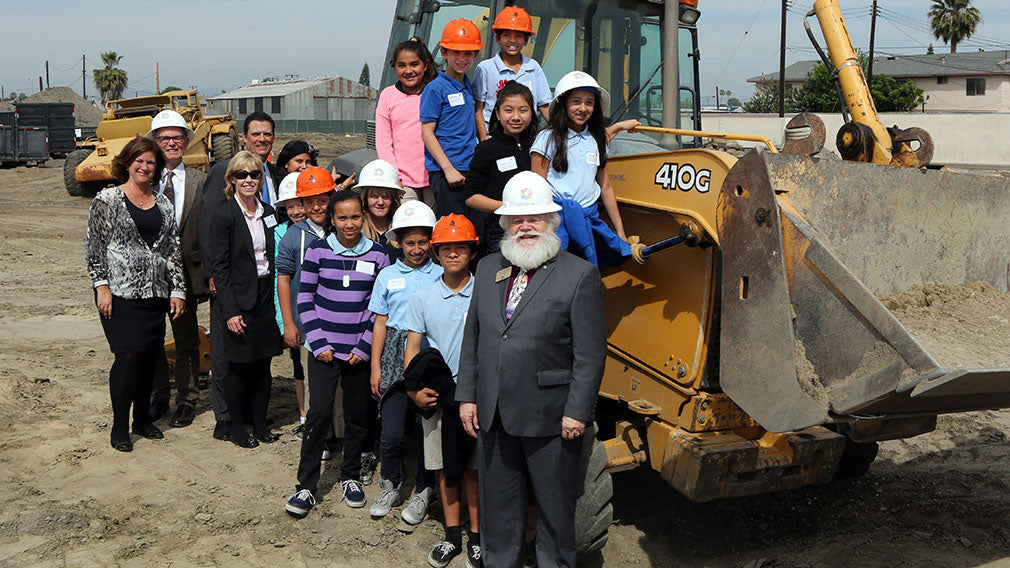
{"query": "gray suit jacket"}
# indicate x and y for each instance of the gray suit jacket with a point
(189, 230)
(545, 362)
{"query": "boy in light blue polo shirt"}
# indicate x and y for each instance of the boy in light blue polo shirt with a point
(447, 126)
(512, 29)
(437, 313)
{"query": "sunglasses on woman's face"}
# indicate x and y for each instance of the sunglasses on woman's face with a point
(242, 174)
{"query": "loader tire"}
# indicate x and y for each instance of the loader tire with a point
(593, 510)
(222, 146)
(856, 459)
(74, 187)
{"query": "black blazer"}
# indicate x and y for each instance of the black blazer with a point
(213, 199)
(232, 260)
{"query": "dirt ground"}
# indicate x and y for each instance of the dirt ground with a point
(68, 499)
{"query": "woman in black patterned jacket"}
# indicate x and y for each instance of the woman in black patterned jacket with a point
(135, 265)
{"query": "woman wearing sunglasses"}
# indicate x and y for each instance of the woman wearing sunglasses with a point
(242, 264)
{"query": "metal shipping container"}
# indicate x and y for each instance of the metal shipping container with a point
(58, 118)
(7, 139)
(32, 144)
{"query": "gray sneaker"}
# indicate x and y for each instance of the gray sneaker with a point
(368, 462)
(417, 509)
(387, 498)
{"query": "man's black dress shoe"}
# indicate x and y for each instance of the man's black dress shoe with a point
(222, 430)
(158, 409)
(122, 445)
(184, 414)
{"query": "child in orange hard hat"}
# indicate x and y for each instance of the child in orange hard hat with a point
(447, 117)
(437, 313)
(512, 29)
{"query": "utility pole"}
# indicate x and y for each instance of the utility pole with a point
(873, 33)
(782, 64)
(47, 73)
(40, 83)
(717, 97)
(84, 79)
(157, 80)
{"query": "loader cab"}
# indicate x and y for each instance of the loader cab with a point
(620, 42)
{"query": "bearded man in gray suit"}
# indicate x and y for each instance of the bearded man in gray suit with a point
(529, 372)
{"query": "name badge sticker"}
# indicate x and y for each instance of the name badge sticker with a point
(396, 284)
(507, 164)
(270, 221)
(364, 267)
(456, 99)
(593, 158)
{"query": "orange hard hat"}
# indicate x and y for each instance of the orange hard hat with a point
(454, 228)
(314, 180)
(513, 18)
(461, 34)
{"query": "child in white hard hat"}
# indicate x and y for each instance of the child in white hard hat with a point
(394, 286)
(571, 153)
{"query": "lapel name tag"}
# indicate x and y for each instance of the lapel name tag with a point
(503, 274)
(364, 267)
(270, 221)
(456, 99)
(593, 158)
(396, 284)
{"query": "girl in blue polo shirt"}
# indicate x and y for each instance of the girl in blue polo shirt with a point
(571, 153)
(395, 285)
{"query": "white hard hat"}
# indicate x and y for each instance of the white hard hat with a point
(288, 188)
(378, 173)
(527, 194)
(579, 80)
(411, 213)
(169, 118)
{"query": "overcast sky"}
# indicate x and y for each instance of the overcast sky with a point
(220, 45)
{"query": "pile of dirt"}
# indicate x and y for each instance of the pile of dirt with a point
(6, 106)
(85, 113)
(964, 326)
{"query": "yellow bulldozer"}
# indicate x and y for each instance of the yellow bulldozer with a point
(88, 169)
(747, 349)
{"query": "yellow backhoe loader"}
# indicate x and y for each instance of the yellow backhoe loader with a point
(747, 349)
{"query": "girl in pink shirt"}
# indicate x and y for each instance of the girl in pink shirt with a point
(398, 118)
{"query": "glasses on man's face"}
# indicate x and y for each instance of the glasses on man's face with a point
(242, 174)
(167, 139)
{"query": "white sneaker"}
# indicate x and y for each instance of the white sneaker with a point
(417, 509)
(387, 498)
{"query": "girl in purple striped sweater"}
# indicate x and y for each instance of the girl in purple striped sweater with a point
(336, 286)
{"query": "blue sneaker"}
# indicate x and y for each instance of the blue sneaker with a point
(354, 495)
(300, 503)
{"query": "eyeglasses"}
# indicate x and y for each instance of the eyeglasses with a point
(242, 174)
(170, 138)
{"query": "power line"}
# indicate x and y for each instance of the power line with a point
(739, 43)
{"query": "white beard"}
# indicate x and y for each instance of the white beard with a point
(528, 258)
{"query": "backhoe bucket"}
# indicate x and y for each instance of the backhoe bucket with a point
(804, 341)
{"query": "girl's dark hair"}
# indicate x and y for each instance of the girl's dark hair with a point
(513, 88)
(134, 148)
(338, 197)
(417, 47)
(557, 123)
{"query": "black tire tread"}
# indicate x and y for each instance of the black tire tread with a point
(593, 512)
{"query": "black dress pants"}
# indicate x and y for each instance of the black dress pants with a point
(130, 383)
(248, 386)
(358, 406)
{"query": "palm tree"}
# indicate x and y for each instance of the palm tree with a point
(110, 80)
(953, 21)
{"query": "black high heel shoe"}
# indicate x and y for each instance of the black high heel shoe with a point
(249, 442)
(267, 438)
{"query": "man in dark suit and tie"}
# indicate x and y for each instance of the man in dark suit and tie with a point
(529, 372)
(258, 138)
(183, 186)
